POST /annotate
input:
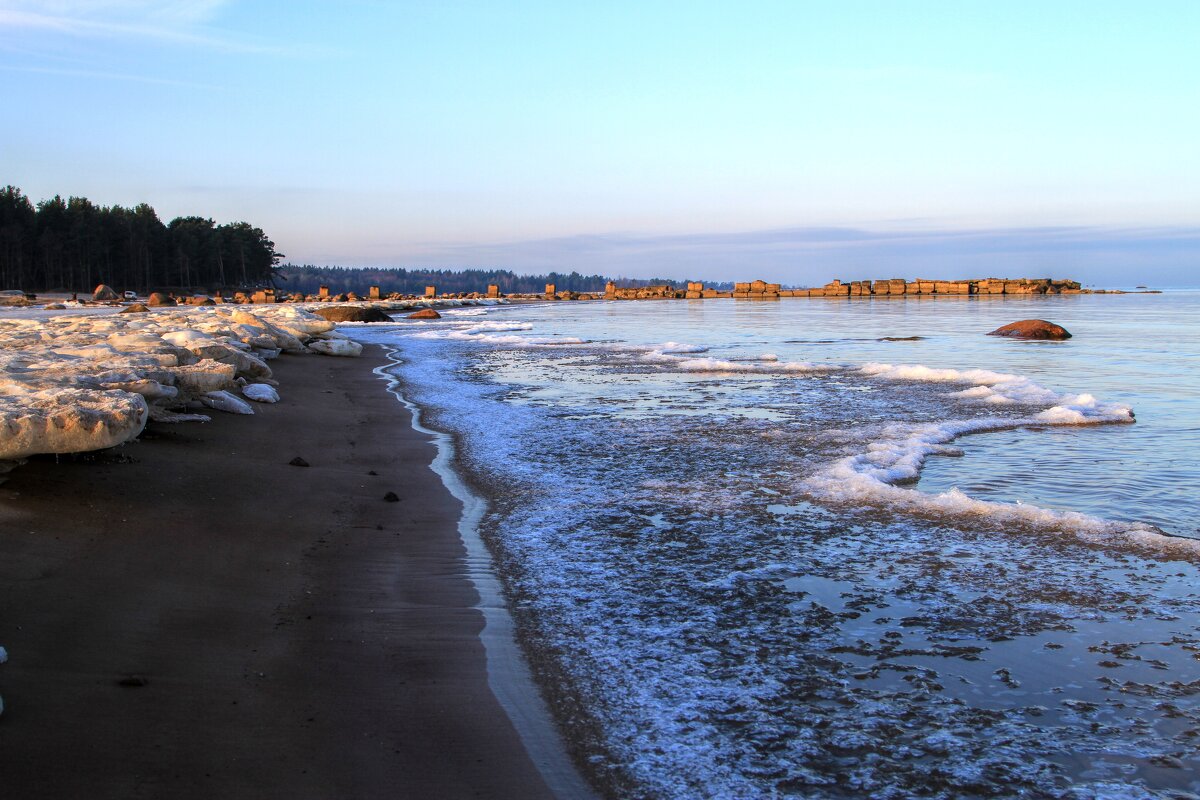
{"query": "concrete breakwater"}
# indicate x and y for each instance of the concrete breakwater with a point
(892, 287)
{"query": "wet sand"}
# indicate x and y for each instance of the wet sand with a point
(296, 635)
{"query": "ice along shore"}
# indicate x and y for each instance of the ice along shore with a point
(194, 615)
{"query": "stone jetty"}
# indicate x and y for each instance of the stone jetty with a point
(887, 287)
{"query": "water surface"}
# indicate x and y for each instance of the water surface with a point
(843, 548)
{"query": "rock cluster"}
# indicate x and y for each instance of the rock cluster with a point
(899, 286)
(75, 383)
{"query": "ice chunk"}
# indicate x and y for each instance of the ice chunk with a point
(227, 402)
(68, 420)
(336, 347)
(261, 393)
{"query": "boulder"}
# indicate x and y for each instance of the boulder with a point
(105, 293)
(13, 297)
(159, 299)
(1032, 329)
(425, 313)
(134, 308)
(353, 314)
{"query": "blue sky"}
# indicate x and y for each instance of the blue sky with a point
(792, 141)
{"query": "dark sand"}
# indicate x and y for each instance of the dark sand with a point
(299, 637)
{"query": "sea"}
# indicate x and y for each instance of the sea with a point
(834, 548)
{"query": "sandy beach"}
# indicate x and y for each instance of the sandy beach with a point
(190, 615)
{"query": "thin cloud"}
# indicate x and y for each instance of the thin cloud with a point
(177, 23)
(111, 76)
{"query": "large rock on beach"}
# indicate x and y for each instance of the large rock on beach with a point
(159, 299)
(132, 308)
(353, 314)
(105, 293)
(1032, 329)
(425, 313)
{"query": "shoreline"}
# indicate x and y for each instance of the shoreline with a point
(191, 616)
(509, 672)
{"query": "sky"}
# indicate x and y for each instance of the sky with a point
(792, 141)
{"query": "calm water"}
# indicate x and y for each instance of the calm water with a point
(843, 548)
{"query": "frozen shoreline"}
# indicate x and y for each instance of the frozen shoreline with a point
(291, 632)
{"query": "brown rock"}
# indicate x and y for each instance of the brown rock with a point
(133, 308)
(159, 299)
(425, 313)
(352, 314)
(105, 293)
(1032, 329)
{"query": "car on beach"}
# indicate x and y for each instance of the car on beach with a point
(130, 295)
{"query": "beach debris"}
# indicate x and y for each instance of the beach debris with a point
(1032, 329)
(425, 313)
(391, 497)
(298, 462)
(132, 308)
(353, 314)
(227, 402)
(105, 293)
(261, 393)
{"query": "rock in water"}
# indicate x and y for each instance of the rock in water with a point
(104, 293)
(425, 313)
(1032, 329)
(133, 308)
(261, 393)
(159, 299)
(336, 347)
(298, 462)
(353, 314)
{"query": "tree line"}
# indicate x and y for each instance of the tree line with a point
(73, 245)
(308, 278)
